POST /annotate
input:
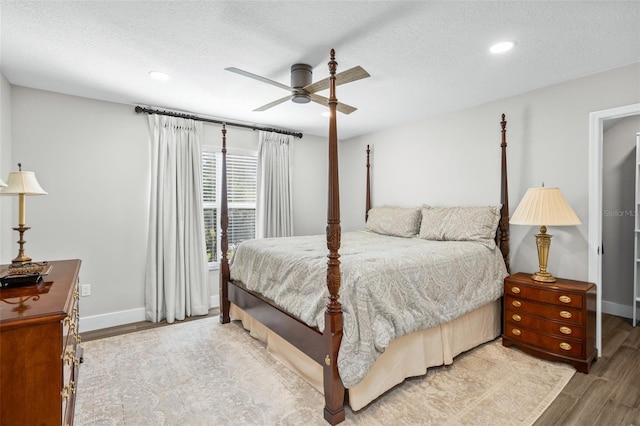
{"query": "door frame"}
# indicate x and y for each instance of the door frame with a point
(596, 143)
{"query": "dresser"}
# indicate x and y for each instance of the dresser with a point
(40, 349)
(554, 321)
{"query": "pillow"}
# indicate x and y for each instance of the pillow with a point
(394, 221)
(460, 223)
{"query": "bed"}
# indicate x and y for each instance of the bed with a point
(343, 324)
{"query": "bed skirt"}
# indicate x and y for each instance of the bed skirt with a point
(405, 357)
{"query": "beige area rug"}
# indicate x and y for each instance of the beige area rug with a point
(203, 373)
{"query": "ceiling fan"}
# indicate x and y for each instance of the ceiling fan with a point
(303, 90)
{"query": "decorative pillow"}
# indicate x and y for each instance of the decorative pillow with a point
(460, 223)
(395, 221)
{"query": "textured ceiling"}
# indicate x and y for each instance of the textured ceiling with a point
(425, 58)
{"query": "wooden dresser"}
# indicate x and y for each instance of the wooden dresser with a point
(554, 321)
(40, 349)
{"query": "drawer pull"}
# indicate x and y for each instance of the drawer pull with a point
(565, 314)
(516, 290)
(565, 346)
(565, 330)
(516, 332)
(516, 317)
(516, 303)
(564, 299)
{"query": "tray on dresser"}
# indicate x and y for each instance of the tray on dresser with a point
(27, 274)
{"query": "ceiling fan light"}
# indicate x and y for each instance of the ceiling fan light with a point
(301, 99)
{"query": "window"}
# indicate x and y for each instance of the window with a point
(241, 199)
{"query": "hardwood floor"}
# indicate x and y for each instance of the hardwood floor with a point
(609, 395)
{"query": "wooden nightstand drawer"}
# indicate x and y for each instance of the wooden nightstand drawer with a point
(546, 295)
(557, 345)
(552, 321)
(559, 313)
(575, 331)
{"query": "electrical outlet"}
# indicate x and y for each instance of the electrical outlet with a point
(86, 290)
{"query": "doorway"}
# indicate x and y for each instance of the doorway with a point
(596, 141)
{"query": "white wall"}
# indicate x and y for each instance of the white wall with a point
(6, 203)
(455, 159)
(92, 159)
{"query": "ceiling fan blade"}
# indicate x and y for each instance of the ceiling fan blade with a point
(272, 104)
(258, 77)
(343, 108)
(352, 74)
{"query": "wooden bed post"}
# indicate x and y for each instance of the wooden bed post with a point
(503, 225)
(224, 239)
(332, 336)
(368, 200)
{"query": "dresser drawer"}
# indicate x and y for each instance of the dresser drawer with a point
(554, 344)
(546, 295)
(543, 325)
(559, 313)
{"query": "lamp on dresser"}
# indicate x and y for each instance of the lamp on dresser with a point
(544, 207)
(22, 271)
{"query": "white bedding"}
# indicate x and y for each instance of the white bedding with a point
(391, 286)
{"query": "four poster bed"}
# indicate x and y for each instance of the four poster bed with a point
(413, 290)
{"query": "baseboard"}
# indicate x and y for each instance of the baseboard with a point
(113, 319)
(624, 311)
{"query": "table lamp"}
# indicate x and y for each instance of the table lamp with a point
(22, 184)
(544, 207)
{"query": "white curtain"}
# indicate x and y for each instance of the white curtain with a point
(274, 210)
(176, 272)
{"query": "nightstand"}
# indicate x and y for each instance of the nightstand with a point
(553, 321)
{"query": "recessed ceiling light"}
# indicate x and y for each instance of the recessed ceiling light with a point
(326, 114)
(502, 47)
(157, 75)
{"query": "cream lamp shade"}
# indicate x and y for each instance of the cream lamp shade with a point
(544, 207)
(22, 182)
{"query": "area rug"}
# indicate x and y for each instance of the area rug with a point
(202, 373)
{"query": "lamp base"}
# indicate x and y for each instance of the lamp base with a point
(543, 243)
(21, 258)
(543, 277)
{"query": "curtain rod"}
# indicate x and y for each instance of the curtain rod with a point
(140, 109)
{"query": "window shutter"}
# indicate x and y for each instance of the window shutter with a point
(242, 180)
(209, 177)
(241, 197)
